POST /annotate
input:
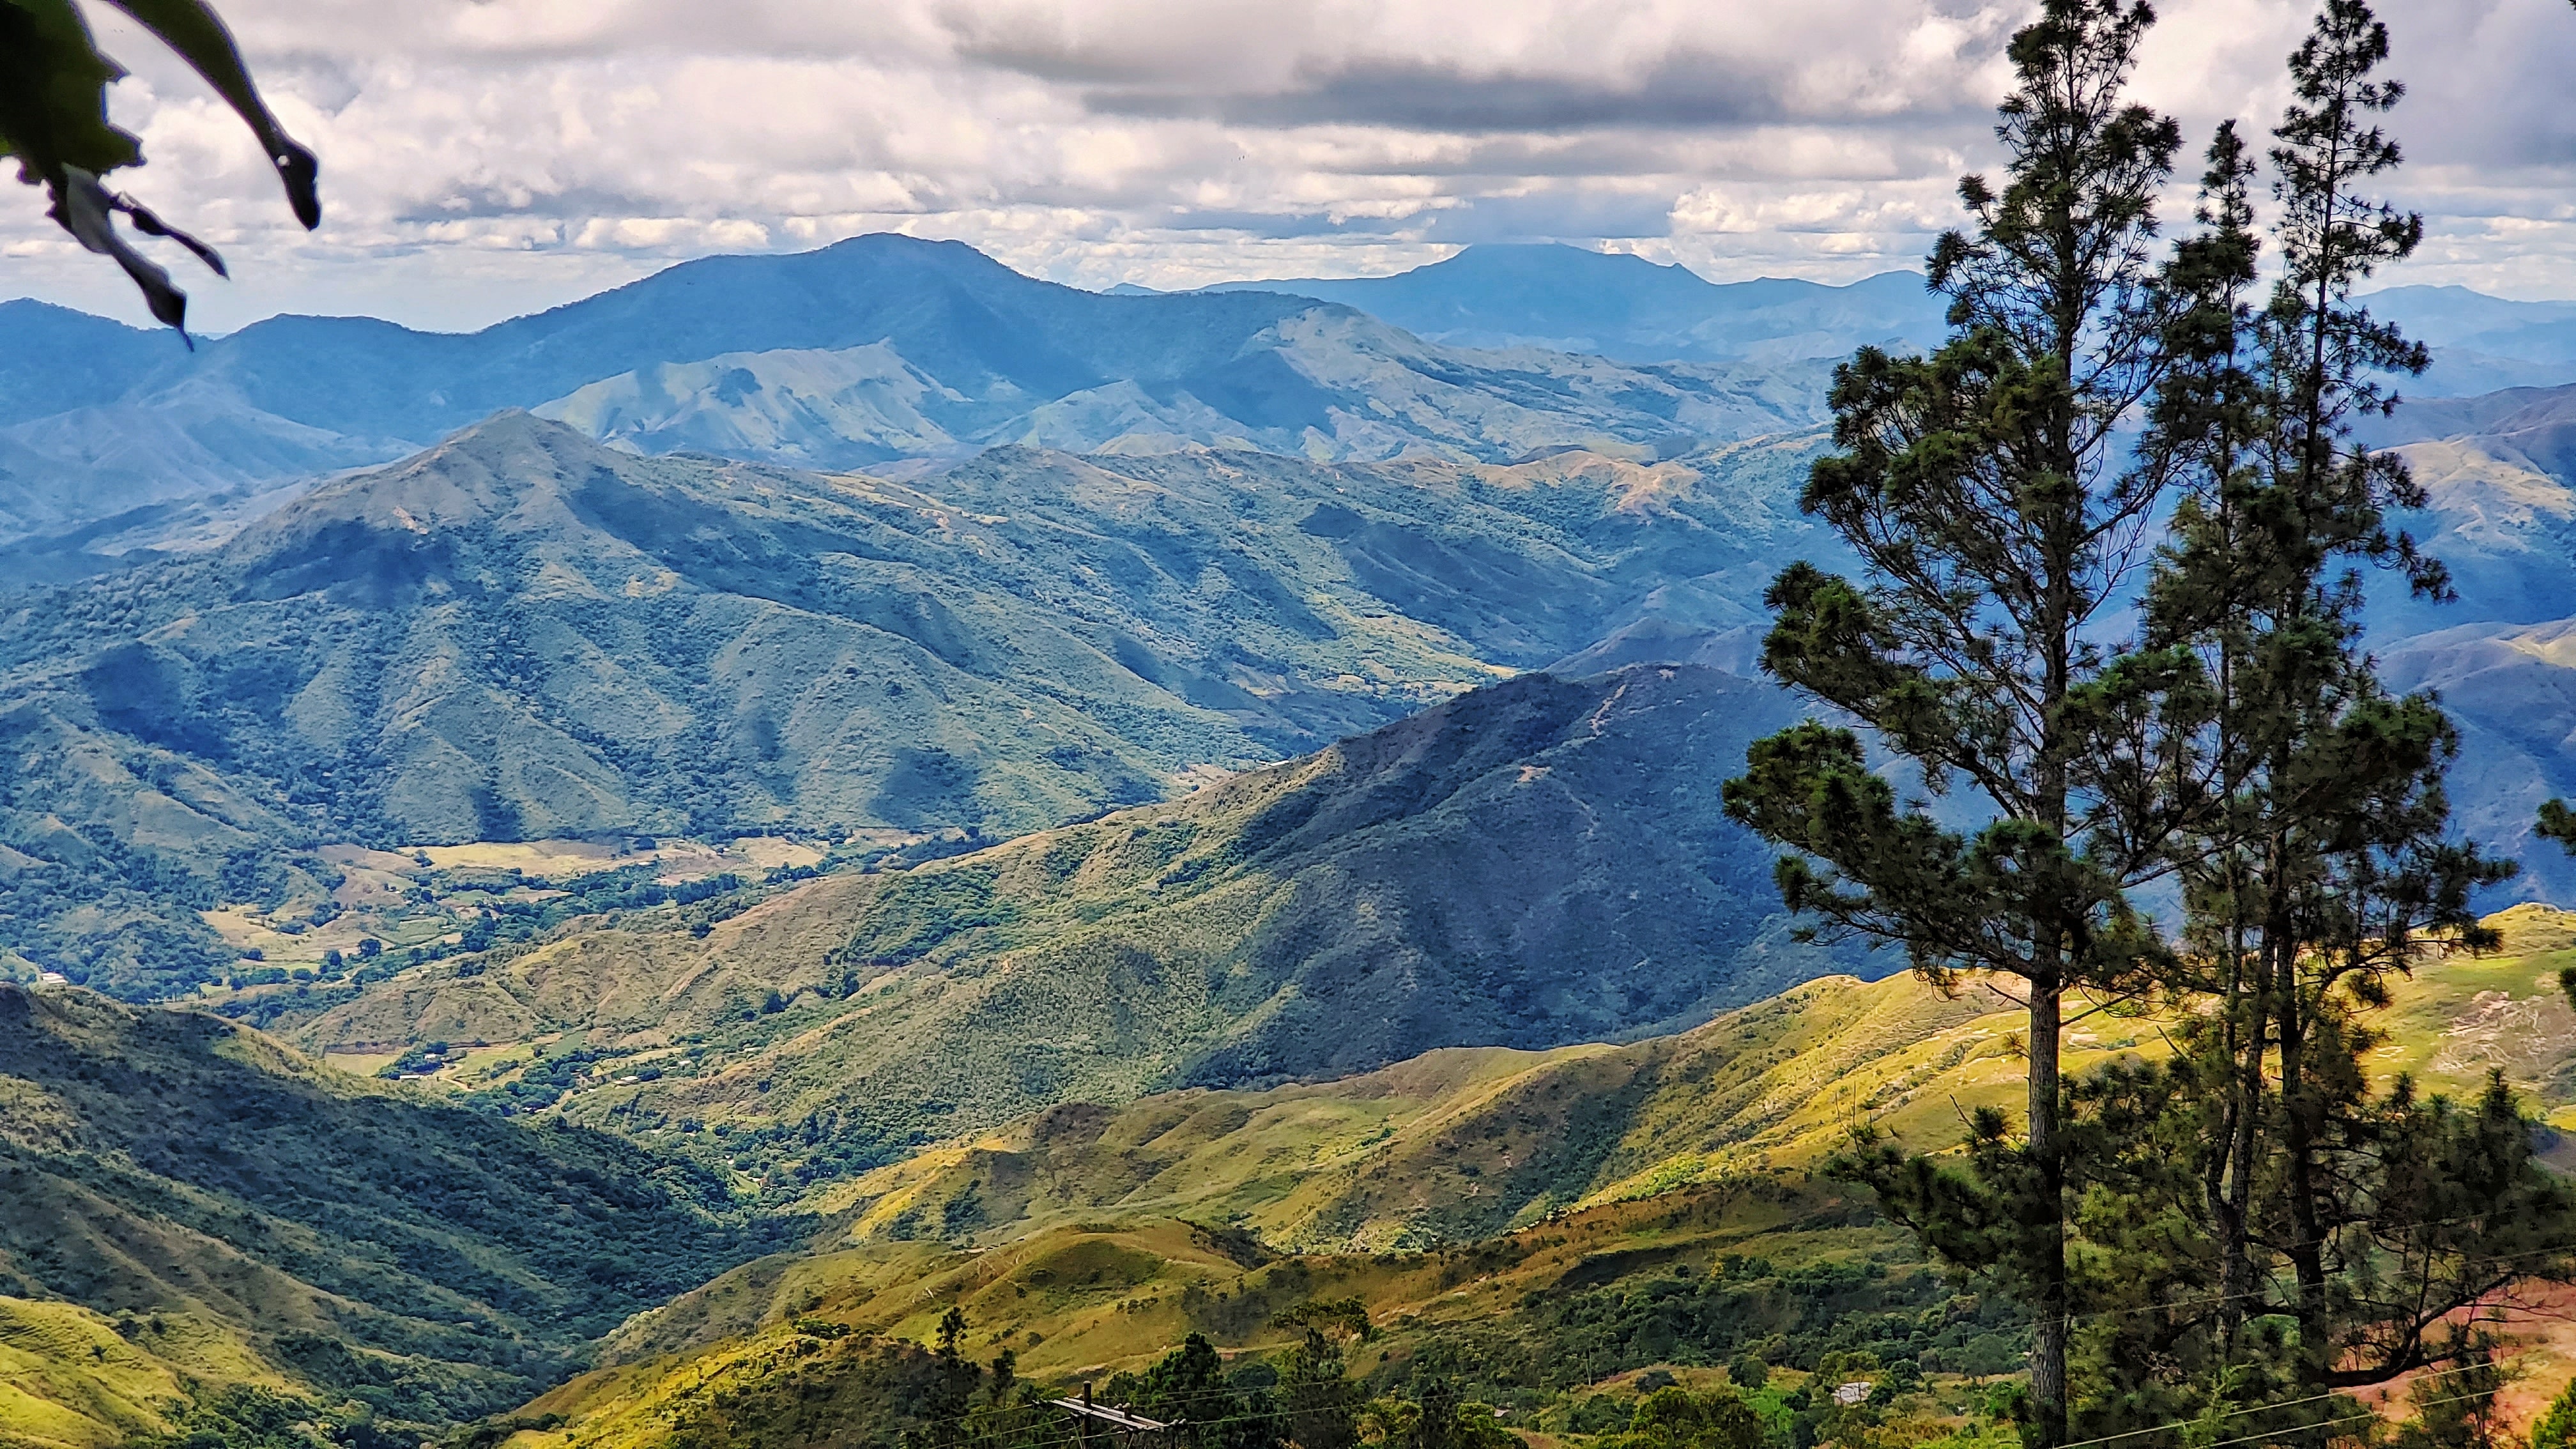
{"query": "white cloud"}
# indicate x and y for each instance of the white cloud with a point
(485, 156)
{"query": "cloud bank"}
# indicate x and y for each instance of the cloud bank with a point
(485, 157)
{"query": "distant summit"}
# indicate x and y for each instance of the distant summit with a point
(1571, 299)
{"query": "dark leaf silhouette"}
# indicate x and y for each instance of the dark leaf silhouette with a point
(53, 118)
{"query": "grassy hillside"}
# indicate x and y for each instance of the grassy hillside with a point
(241, 1209)
(1522, 866)
(74, 1378)
(1459, 1145)
(1538, 1228)
(1463, 1144)
(1556, 1323)
(521, 635)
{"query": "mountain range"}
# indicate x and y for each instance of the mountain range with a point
(2481, 343)
(523, 634)
(524, 631)
(875, 349)
(1570, 299)
(116, 445)
(1302, 706)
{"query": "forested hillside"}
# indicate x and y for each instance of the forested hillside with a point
(1541, 1231)
(1516, 867)
(250, 1216)
(522, 634)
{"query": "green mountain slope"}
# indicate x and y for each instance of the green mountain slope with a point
(1457, 1145)
(73, 1378)
(1555, 1323)
(234, 1205)
(1535, 1227)
(1540, 862)
(521, 634)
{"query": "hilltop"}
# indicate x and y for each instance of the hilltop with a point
(1558, 1324)
(228, 1210)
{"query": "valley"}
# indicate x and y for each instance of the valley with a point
(524, 635)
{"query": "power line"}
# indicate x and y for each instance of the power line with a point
(2328, 1423)
(2253, 1409)
(2090, 1314)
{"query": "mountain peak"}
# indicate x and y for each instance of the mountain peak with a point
(512, 444)
(1555, 256)
(370, 530)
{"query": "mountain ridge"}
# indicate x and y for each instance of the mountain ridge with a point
(1573, 299)
(977, 353)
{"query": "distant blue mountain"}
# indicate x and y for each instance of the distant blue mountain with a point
(874, 349)
(951, 311)
(1569, 299)
(53, 359)
(886, 348)
(2481, 343)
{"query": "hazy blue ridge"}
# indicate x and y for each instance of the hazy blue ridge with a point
(2481, 343)
(875, 349)
(1575, 300)
(886, 348)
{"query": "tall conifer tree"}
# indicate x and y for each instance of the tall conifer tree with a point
(2315, 858)
(1990, 504)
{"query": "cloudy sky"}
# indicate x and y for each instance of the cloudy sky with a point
(488, 157)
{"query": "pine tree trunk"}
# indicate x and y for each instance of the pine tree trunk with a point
(2246, 1063)
(2307, 1248)
(2231, 1187)
(2048, 1268)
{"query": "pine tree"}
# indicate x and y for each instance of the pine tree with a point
(2336, 871)
(2558, 823)
(2315, 854)
(1987, 497)
(2207, 428)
